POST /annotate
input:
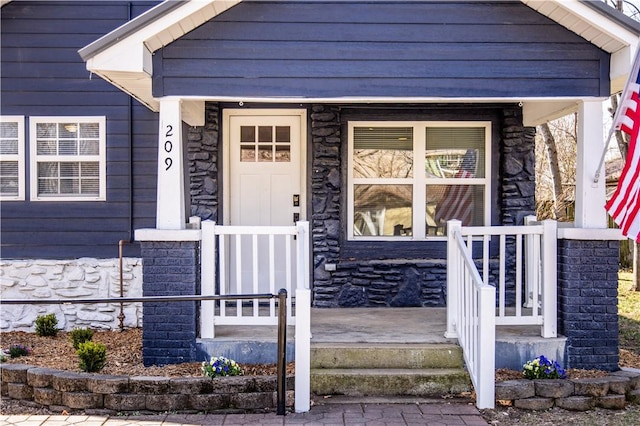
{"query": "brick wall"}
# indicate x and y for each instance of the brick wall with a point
(170, 268)
(588, 302)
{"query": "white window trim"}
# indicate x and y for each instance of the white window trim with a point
(34, 158)
(19, 157)
(418, 182)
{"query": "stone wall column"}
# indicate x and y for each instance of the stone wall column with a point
(588, 302)
(170, 268)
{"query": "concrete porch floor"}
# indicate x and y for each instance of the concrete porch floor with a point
(514, 345)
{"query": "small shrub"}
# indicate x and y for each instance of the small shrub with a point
(46, 325)
(92, 356)
(18, 350)
(221, 366)
(543, 368)
(80, 335)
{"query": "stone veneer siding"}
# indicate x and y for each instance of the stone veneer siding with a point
(85, 278)
(588, 302)
(170, 268)
(202, 155)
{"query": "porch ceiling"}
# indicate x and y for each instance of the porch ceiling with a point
(123, 57)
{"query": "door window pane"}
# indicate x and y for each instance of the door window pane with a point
(265, 149)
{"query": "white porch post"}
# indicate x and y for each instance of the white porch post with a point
(170, 209)
(590, 196)
(453, 284)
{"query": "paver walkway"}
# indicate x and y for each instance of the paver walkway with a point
(330, 414)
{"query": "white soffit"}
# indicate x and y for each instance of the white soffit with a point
(598, 29)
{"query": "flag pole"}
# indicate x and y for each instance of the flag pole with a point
(615, 123)
(604, 154)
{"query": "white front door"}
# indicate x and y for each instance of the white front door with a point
(265, 172)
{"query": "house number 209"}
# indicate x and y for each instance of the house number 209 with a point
(168, 146)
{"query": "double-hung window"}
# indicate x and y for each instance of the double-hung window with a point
(12, 186)
(407, 179)
(68, 158)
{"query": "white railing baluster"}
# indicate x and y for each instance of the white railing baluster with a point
(238, 286)
(224, 282)
(287, 283)
(272, 274)
(518, 275)
(485, 259)
(501, 275)
(254, 273)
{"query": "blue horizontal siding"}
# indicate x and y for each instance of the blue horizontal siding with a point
(395, 49)
(43, 75)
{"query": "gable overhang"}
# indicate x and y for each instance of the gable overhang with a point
(124, 56)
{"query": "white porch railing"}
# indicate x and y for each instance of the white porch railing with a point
(471, 311)
(533, 272)
(253, 260)
(472, 306)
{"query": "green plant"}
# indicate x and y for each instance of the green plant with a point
(80, 335)
(46, 325)
(92, 356)
(18, 350)
(543, 368)
(221, 366)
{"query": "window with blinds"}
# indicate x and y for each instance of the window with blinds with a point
(12, 185)
(389, 195)
(68, 158)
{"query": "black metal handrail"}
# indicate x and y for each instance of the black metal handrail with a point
(281, 371)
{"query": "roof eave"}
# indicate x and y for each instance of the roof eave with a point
(123, 57)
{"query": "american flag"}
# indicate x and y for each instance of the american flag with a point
(624, 204)
(457, 202)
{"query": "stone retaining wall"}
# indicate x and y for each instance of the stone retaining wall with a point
(105, 394)
(612, 392)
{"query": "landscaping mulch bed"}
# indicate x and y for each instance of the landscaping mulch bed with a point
(124, 355)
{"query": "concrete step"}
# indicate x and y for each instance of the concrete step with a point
(434, 382)
(385, 355)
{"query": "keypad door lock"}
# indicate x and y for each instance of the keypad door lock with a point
(296, 200)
